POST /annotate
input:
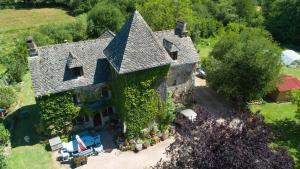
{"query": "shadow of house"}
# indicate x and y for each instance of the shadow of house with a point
(22, 124)
(287, 133)
(212, 101)
(102, 72)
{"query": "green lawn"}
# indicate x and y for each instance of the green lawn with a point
(285, 125)
(291, 71)
(16, 19)
(32, 155)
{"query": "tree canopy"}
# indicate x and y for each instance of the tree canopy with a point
(244, 65)
(102, 17)
(239, 141)
(283, 19)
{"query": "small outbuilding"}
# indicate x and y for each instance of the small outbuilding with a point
(290, 58)
(284, 88)
(55, 143)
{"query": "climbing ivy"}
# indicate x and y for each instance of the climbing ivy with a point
(136, 98)
(57, 112)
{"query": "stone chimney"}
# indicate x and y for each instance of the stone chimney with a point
(180, 29)
(32, 48)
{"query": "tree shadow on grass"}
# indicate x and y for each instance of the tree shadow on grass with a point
(287, 134)
(22, 124)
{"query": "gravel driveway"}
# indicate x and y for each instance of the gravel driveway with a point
(208, 98)
(129, 160)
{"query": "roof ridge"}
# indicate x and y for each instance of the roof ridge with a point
(71, 43)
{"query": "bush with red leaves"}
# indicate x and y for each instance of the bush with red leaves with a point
(241, 141)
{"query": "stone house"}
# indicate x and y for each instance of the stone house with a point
(87, 67)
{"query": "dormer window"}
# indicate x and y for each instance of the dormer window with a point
(173, 55)
(171, 48)
(77, 71)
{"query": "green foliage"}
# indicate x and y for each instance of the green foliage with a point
(138, 102)
(205, 28)
(57, 113)
(3, 161)
(7, 96)
(167, 116)
(16, 62)
(4, 135)
(102, 17)
(4, 140)
(54, 33)
(283, 19)
(239, 66)
(161, 14)
(296, 101)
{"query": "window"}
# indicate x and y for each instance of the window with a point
(104, 91)
(174, 83)
(174, 55)
(76, 99)
(107, 112)
(78, 120)
(77, 71)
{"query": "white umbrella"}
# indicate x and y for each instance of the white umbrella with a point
(81, 145)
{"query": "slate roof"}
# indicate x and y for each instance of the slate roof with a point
(135, 47)
(187, 52)
(51, 74)
(107, 34)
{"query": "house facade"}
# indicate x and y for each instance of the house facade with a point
(88, 67)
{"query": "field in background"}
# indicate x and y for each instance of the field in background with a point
(16, 19)
(13, 24)
(291, 71)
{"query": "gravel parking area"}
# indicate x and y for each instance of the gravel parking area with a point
(128, 160)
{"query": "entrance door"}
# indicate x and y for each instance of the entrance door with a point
(97, 120)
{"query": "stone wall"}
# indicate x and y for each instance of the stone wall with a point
(181, 79)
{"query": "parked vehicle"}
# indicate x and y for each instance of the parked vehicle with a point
(201, 73)
(3, 112)
(82, 145)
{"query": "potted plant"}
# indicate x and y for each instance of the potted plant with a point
(146, 144)
(79, 161)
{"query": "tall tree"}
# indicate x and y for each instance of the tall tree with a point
(283, 19)
(102, 17)
(244, 65)
(161, 14)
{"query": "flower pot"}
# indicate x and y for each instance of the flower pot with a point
(139, 147)
(146, 145)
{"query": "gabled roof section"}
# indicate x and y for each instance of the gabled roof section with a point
(51, 73)
(169, 46)
(73, 61)
(107, 34)
(135, 47)
(288, 83)
(187, 53)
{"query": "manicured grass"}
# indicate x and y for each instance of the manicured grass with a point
(16, 19)
(285, 126)
(27, 94)
(32, 155)
(204, 51)
(291, 71)
(275, 111)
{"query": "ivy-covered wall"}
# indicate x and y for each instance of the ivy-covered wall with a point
(57, 112)
(136, 98)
